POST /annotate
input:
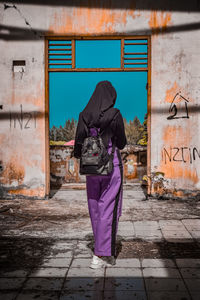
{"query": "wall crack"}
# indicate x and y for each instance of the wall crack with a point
(6, 6)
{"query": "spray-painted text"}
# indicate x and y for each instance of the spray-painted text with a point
(23, 120)
(180, 154)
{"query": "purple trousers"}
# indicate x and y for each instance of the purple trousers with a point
(104, 193)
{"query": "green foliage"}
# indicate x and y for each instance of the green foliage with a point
(57, 142)
(136, 132)
(144, 136)
(133, 130)
(65, 133)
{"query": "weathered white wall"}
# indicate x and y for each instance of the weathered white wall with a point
(22, 131)
(175, 68)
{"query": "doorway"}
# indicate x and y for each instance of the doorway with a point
(74, 67)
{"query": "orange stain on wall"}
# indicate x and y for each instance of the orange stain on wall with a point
(33, 112)
(13, 171)
(174, 171)
(28, 97)
(176, 135)
(39, 192)
(2, 138)
(85, 20)
(36, 99)
(171, 92)
(159, 21)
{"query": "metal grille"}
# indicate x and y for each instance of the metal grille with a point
(135, 54)
(60, 54)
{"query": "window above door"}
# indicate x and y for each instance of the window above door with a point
(98, 54)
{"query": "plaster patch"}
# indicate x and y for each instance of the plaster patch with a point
(33, 177)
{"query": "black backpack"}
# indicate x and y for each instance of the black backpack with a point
(95, 159)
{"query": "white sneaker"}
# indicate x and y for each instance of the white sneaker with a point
(97, 262)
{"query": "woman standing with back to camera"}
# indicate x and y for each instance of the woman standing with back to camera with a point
(104, 192)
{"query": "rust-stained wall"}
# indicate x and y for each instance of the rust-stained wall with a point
(58, 157)
(65, 169)
(175, 144)
(135, 163)
(175, 79)
(22, 130)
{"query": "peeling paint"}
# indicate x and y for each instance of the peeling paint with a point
(39, 193)
(13, 173)
(159, 183)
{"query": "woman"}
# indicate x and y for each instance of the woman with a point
(104, 192)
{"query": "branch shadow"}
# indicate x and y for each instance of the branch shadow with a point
(21, 259)
(12, 33)
(25, 256)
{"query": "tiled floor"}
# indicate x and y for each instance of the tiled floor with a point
(71, 278)
(59, 268)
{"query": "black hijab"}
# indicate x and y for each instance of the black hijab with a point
(99, 111)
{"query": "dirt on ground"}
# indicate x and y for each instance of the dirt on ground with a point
(68, 210)
(142, 249)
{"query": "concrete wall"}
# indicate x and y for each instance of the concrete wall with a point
(65, 169)
(175, 142)
(58, 157)
(175, 30)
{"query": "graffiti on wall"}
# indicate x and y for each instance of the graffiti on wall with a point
(178, 108)
(22, 119)
(180, 154)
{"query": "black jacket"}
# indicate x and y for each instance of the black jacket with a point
(114, 131)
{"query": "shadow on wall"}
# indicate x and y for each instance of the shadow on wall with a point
(22, 114)
(31, 33)
(164, 5)
(11, 33)
(18, 118)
